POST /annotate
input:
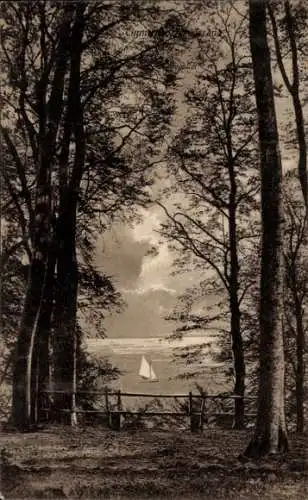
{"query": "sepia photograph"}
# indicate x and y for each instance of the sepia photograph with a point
(153, 249)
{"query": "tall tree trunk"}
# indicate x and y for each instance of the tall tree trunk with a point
(65, 342)
(233, 277)
(294, 90)
(236, 335)
(22, 370)
(65, 310)
(270, 434)
(302, 171)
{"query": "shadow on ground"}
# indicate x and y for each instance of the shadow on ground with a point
(98, 463)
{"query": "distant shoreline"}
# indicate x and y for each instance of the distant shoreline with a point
(137, 345)
(210, 333)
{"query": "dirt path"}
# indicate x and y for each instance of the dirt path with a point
(97, 463)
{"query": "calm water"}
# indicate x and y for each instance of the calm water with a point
(144, 345)
(126, 353)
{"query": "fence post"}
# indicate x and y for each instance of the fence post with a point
(74, 382)
(119, 411)
(107, 407)
(194, 417)
(115, 415)
(191, 413)
(202, 413)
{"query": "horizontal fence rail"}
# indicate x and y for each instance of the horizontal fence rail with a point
(147, 395)
(114, 412)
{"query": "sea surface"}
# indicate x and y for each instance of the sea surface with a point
(176, 374)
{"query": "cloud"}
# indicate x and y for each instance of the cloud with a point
(143, 278)
(121, 256)
(155, 270)
(144, 315)
(146, 230)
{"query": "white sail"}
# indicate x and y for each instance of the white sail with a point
(145, 369)
(152, 374)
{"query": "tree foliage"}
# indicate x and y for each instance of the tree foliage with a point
(213, 161)
(86, 101)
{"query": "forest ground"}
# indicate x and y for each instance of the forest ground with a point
(94, 462)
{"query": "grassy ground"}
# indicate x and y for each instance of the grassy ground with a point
(99, 463)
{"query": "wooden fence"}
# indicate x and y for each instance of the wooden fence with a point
(195, 408)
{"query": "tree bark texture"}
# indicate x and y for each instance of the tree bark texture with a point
(293, 88)
(67, 267)
(236, 334)
(22, 371)
(270, 433)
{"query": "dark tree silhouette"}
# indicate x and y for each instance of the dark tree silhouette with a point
(80, 163)
(270, 433)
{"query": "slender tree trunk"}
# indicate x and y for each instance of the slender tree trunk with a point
(22, 364)
(302, 160)
(293, 89)
(295, 309)
(300, 377)
(270, 433)
(233, 277)
(302, 171)
(41, 356)
(299, 117)
(236, 335)
(300, 365)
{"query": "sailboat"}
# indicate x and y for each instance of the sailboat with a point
(146, 370)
